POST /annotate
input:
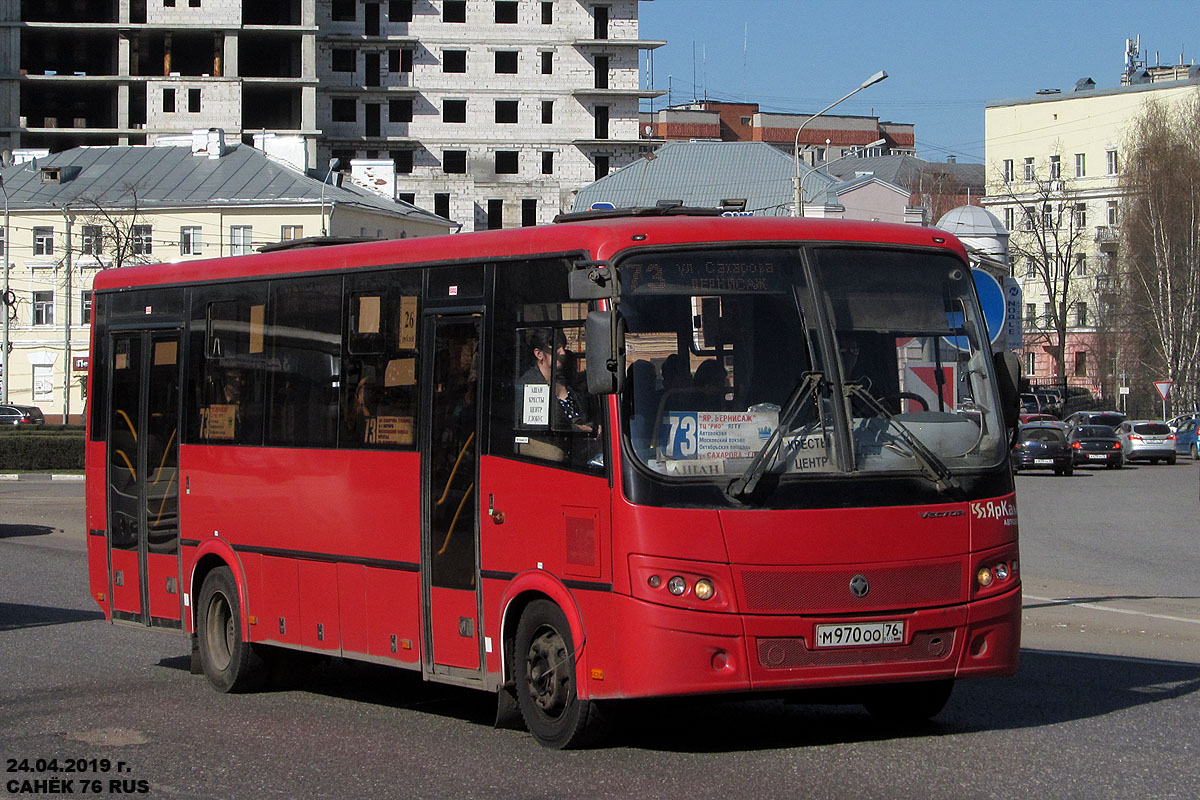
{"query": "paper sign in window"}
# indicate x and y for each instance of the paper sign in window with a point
(408, 324)
(257, 314)
(121, 361)
(535, 408)
(165, 353)
(368, 314)
(394, 430)
(400, 372)
(219, 421)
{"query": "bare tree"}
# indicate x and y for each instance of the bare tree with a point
(1048, 241)
(114, 231)
(1160, 244)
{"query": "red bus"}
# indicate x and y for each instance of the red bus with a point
(620, 456)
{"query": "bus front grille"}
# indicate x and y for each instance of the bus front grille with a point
(826, 590)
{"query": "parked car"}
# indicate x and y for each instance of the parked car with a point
(1185, 438)
(1174, 422)
(1052, 402)
(21, 415)
(1147, 439)
(1043, 445)
(1095, 445)
(1110, 419)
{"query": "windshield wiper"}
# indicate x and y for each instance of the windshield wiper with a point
(931, 466)
(805, 390)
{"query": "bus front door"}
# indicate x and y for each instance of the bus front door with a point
(143, 483)
(450, 474)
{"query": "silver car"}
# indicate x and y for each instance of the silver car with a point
(1147, 439)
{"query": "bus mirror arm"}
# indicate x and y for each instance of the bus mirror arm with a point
(605, 331)
(1008, 376)
(593, 280)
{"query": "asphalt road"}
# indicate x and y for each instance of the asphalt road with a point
(1104, 705)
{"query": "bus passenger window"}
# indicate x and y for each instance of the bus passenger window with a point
(380, 362)
(304, 364)
(232, 385)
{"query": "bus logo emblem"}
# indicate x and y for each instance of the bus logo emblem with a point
(859, 586)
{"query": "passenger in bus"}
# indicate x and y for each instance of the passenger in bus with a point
(710, 381)
(675, 373)
(552, 361)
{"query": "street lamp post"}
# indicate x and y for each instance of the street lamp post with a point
(4, 306)
(333, 163)
(797, 209)
(853, 152)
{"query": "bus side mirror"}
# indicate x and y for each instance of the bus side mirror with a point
(1008, 376)
(605, 331)
(592, 280)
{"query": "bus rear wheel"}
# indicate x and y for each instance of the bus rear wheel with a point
(546, 681)
(230, 663)
(907, 703)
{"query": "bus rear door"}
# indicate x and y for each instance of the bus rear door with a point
(143, 478)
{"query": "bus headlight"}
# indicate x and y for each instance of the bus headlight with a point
(677, 586)
(704, 589)
(984, 576)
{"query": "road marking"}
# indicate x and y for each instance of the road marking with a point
(1060, 602)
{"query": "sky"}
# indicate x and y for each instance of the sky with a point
(945, 60)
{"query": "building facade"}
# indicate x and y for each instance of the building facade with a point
(493, 112)
(1054, 165)
(68, 217)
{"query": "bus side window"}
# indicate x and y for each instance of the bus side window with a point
(305, 361)
(231, 383)
(380, 361)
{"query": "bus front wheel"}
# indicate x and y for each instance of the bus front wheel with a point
(230, 663)
(546, 682)
(901, 703)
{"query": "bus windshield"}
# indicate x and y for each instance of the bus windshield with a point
(815, 361)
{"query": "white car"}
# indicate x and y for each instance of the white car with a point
(1147, 439)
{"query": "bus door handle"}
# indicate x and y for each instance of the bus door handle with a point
(497, 516)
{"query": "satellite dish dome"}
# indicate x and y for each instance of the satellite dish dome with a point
(979, 229)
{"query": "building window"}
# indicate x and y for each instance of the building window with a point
(1031, 363)
(3, 246)
(1112, 213)
(1031, 314)
(1027, 221)
(601, 166)
(495, 214)
(1031, 269)
(441, 205)
(1029, 171)
(1080, 215)
(601, 65)
(1080, 363)
(344, 109)
(407, 197)
(506, 12)
(1081, 265)
(289, 233)
(1047, 315)
(1055, 168)
(506, 162)
(400, 110)
(528, 212)
(240, 239)
(547, 112)
(400, 11)
(1008, 170)
(344, 10)
(600, 18)
(454, 111)
(1048, 217)
(193, 101)
(403, 159)
(93, 240)
(547, 62)
(43, 308)
(344, 60)
(189, 241)
(85, 307)
(506, 62)
(454, 11)
(43, 241)
(547, 162)
(454, 162)
(143, 240)
(1080, 165)
(547, 12)
(1010, 218)
(400, 59)
(454, 61)
(602, 122)
(1110, 160)
(168, 101)
(1081, 317)
(506, 112)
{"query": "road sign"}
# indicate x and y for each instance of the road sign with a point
(1163, 388)
(992, 302)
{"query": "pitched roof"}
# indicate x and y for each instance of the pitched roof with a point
(906, 171)
(174, 177)
(702, 174)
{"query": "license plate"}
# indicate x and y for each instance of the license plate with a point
(859, 634)
(1043, 461)
(1097, 455)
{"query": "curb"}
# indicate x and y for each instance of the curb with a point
(38, 476)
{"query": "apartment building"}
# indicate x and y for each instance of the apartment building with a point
(1054, 167)
(493, 112)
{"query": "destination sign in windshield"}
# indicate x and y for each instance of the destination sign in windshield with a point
(711, 272)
